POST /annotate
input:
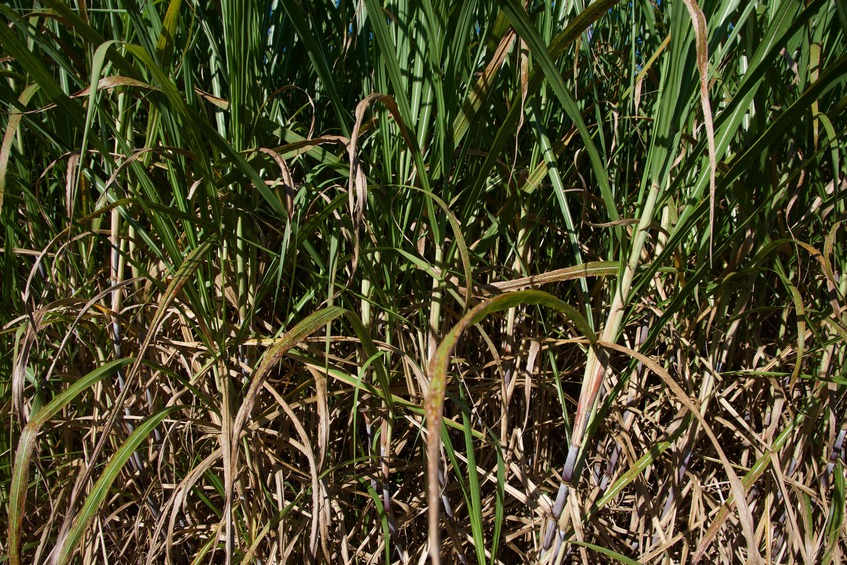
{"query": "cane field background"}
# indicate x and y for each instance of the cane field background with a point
(406, 281)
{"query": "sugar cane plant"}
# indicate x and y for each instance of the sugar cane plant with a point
(389, 281)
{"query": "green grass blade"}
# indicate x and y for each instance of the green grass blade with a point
(835, 521)
(526, 30)
(475, 508)
(439, 365)
(101, 488)
(26, 446)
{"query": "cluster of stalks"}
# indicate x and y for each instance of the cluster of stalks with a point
(389, 281)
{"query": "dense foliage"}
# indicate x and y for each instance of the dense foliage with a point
(252, 250)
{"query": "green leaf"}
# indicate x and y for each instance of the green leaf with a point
(100, 490)
(26, 447)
